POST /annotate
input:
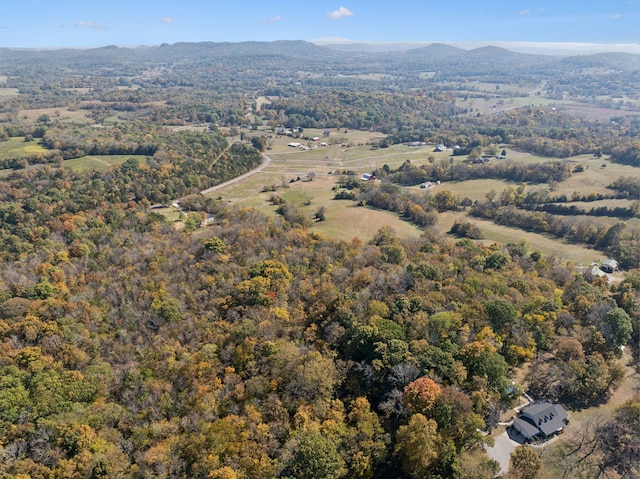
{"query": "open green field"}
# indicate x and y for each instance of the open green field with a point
(476, 190)
(595, 178)
(344, 220)
(17, 148)
(323, 163)
(99, 162)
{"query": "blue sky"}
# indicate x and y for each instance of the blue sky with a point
(74, 23)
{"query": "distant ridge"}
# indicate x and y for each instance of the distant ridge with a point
(534, 48)
(298, 54)
(612, 61)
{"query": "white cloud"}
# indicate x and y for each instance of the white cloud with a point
(618, 15)
(339, 13)
(275, 19)
(541, 10)
(524, 12)
(166, 19)
(94, 25)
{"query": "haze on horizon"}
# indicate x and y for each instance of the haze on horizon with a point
(526, 25)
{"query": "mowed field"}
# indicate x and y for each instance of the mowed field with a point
(99, 162)
(353, 153)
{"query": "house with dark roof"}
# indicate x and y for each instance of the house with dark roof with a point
(540, 420)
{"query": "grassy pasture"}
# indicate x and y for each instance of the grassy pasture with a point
(595, 178)
(362, 222)
(288, 163)
(476, 190)
(596, 113)
(18, 148)
(59, 114)
(99, 162)
(498, 104)
(501, 88)
(547, 245)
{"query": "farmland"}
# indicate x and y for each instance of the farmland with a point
(306, 179)
(278, 260)
(18, 148)
(98, 162)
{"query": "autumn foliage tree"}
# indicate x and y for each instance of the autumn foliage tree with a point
(420, 395)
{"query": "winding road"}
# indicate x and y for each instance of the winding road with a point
(265, 162)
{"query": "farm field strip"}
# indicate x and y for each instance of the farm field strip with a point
(98, 162)
(17, 148)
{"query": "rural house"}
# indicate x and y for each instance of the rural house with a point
(540, 420)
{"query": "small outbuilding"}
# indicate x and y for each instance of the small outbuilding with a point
(609, 266)
(541, 420)
(593, 272)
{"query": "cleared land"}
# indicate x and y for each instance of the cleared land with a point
(18, 148)
(59, 114)
(595, 113)
(9, 92)
(98, 162)
(290, 169)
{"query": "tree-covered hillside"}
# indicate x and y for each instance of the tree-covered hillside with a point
(254, 349)
(222, 343)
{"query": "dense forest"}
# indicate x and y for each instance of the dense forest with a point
(247, 346)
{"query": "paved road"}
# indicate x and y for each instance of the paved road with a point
(265, 162)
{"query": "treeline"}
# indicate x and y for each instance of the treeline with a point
(409, 174)
(629, 186)
(413, 208)
(620, 240)
(573, 210)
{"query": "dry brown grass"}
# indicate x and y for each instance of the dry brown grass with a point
(62, 114)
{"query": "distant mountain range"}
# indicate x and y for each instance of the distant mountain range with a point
(299, 54)
(536, 48)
